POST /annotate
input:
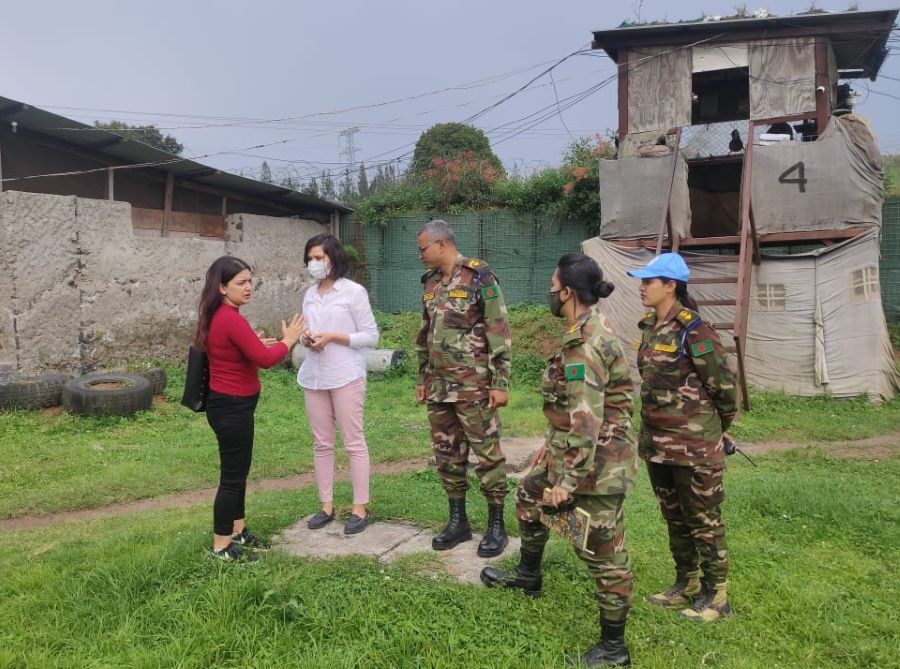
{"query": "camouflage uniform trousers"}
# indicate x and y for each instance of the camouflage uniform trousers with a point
(690, 499)
(609, 563)
(457, 426)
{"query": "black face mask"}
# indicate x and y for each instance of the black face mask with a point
(555, 303)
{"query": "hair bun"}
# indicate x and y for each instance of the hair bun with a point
(603, 289)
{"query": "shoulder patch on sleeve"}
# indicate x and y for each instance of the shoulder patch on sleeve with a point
(478, 265)
(701, 348)
(575, 372)
(489, 292)
(427, 297)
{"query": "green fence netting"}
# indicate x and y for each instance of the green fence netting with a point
(522, 249)
(890, 259)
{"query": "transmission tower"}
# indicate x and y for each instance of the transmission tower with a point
(349, 149)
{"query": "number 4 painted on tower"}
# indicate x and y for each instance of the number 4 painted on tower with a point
(801, 180)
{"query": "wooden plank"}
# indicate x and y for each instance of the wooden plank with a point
(716, 303)
(711, 258)
(167, 205)
(782, 77)
(147, 219)
(723, 326)
(714, 279)
(659, 89)
(811, 235)
(742, 374)
(623, 95)
(712, 241)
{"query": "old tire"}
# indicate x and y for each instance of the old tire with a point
(35, 392)
(107, 394)
(157, 378)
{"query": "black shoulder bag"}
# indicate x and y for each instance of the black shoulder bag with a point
(196, 382)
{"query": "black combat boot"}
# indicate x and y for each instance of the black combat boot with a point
(457, 529)
(526, 576)
(610, 651)
(495, 539)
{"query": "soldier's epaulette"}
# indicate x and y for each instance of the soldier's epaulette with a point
(688, 318)
(478, 265)
(428, 274)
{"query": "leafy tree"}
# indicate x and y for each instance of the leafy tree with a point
(311, 188)
(445, 141)
(328, 191)
(362, 186)
(288, 182)
(346, 189)
(265, 173)
(148, 134)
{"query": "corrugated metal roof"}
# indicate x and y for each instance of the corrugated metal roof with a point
(130, 151)
(858, 38)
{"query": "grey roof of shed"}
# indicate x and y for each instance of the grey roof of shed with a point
(859, 39)
(132, 152)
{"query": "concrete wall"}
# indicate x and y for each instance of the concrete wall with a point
(81, 292)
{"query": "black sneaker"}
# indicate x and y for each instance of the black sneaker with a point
(247, 539)
(233, 553)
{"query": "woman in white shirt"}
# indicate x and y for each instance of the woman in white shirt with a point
(333, 374)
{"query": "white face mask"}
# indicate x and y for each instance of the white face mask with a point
(318, 269)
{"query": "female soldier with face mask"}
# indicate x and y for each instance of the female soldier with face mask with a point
(588, 461)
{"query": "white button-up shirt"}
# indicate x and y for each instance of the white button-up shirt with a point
(345, 309)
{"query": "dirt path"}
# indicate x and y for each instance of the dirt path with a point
(518, 452)
(194, 497)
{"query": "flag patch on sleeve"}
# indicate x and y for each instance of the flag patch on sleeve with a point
(575, 372)
(489, 292)
(702, 348)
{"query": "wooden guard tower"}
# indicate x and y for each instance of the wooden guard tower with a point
(706, 93)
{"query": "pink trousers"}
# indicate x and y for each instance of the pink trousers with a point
(343, 406)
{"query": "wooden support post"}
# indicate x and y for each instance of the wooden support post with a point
(224, 206)
(666, 224)
(167, 204)
(823, 89)
(748, 250)
(623, 94)
(336, 223)
(1, 168)
(110, 184)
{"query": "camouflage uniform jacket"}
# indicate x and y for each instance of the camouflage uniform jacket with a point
(688, 392)
(464, 342)
(588, 401)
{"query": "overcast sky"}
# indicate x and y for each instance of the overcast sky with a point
(186, 64)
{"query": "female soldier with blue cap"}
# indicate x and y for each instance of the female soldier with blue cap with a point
(689, 398)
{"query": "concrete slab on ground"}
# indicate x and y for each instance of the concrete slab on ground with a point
(389, 542)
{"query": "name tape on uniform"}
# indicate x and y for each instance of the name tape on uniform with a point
(666, 348)
(459, 293)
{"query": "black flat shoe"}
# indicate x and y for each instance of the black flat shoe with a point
(320, 520)
(355, 524)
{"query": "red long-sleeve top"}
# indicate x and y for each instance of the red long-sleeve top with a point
(236, 353)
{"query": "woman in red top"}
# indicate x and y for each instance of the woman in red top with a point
(235, 354)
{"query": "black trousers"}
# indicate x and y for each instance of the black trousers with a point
(231, 418)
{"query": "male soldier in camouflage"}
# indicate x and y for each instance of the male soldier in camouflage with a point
(689, 399)
(588, 460)
(463, 348)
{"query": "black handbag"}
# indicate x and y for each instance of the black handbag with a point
(196, 381)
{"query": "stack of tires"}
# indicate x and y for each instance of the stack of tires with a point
(98, 394)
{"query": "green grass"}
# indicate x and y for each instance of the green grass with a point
(814, 583)
(52, 462)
